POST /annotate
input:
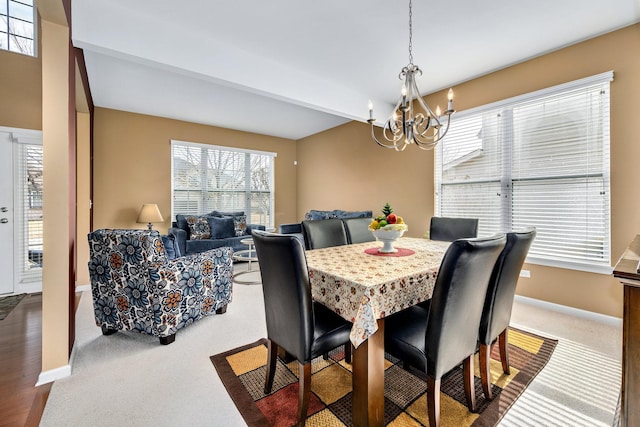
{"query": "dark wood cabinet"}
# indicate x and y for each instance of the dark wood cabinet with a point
(626, 271)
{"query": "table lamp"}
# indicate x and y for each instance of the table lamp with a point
(149, 213)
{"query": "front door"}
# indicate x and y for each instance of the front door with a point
(20, 211)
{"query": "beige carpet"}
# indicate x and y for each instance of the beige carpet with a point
(129, 379)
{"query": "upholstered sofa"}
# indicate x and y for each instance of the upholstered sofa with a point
(199, 233)
(350, 227)
(136, 287)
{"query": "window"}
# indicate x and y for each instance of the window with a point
(17, 26)
(207, 178)
(542, 160)
(28, 215)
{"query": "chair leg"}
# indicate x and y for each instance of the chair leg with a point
(304, 392)
(107, 330)
(469, 386)
(485, 369)
(222, 309)
(433, 401)
(503, 338)
(272, 357)
(347, 352)
(168, 339)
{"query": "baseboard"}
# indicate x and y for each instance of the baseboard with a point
(572, 311)
(52, 375)
(83, 288)
(28, 287)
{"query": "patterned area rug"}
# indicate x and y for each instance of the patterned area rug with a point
(242, 370)
(9, 303)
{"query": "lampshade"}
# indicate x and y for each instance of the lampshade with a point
(149, 213)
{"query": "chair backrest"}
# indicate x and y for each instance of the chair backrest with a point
(286, 291)
(324, 233)
(127, 246)
(358, 230)
(450, 229)
(502, 286)
(120, 257)
(457, 301)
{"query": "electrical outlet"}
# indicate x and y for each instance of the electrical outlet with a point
(525, 273)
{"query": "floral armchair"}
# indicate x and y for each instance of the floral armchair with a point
(135, 287)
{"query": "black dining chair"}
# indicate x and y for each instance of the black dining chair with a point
(358, 230)
(450, 229)
(324, 233)
(438, 338)
(304, 328)
(494, 323)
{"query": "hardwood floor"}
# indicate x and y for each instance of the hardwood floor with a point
(22, 402)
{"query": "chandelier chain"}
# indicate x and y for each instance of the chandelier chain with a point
(410, 33)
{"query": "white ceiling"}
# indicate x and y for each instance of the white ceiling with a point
(295, 68)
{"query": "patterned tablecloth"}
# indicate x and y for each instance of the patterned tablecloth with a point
(363, 288)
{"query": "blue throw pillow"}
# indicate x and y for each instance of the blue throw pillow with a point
(357, 214)
(171, 247)
(221, 227)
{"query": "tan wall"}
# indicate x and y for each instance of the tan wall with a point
(132, 165)
(83, 198)
(21, 91)
(343, 169)
(55, 138)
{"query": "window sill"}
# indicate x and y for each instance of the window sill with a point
(587, 268)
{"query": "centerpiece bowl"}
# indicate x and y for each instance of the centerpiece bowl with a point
(387, 237)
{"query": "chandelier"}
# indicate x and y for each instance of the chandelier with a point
(407, 124)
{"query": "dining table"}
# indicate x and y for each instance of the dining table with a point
(364, 286)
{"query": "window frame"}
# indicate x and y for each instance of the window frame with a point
(6, 29)
(247, 190)
(507, 179)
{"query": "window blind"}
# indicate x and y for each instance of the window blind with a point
(207, 178)
(539, 160)
(28, 211)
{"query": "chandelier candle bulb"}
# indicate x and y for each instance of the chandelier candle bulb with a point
(450, 103)
(370, 110)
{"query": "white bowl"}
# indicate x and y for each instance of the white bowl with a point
(387, 237)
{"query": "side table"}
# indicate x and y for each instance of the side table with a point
(250, 256)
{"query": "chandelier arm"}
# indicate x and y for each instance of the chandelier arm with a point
(430, 141)
(391, 131)
(375, 138)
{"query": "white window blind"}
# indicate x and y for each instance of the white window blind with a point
(17, 26)
(539, 160)
(28, 211)
(207, 178)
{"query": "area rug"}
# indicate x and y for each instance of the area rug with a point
(242, 371)
(9, 303)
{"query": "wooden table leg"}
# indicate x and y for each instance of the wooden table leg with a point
(368, 380)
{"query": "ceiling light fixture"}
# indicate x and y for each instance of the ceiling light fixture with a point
(407, 125)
